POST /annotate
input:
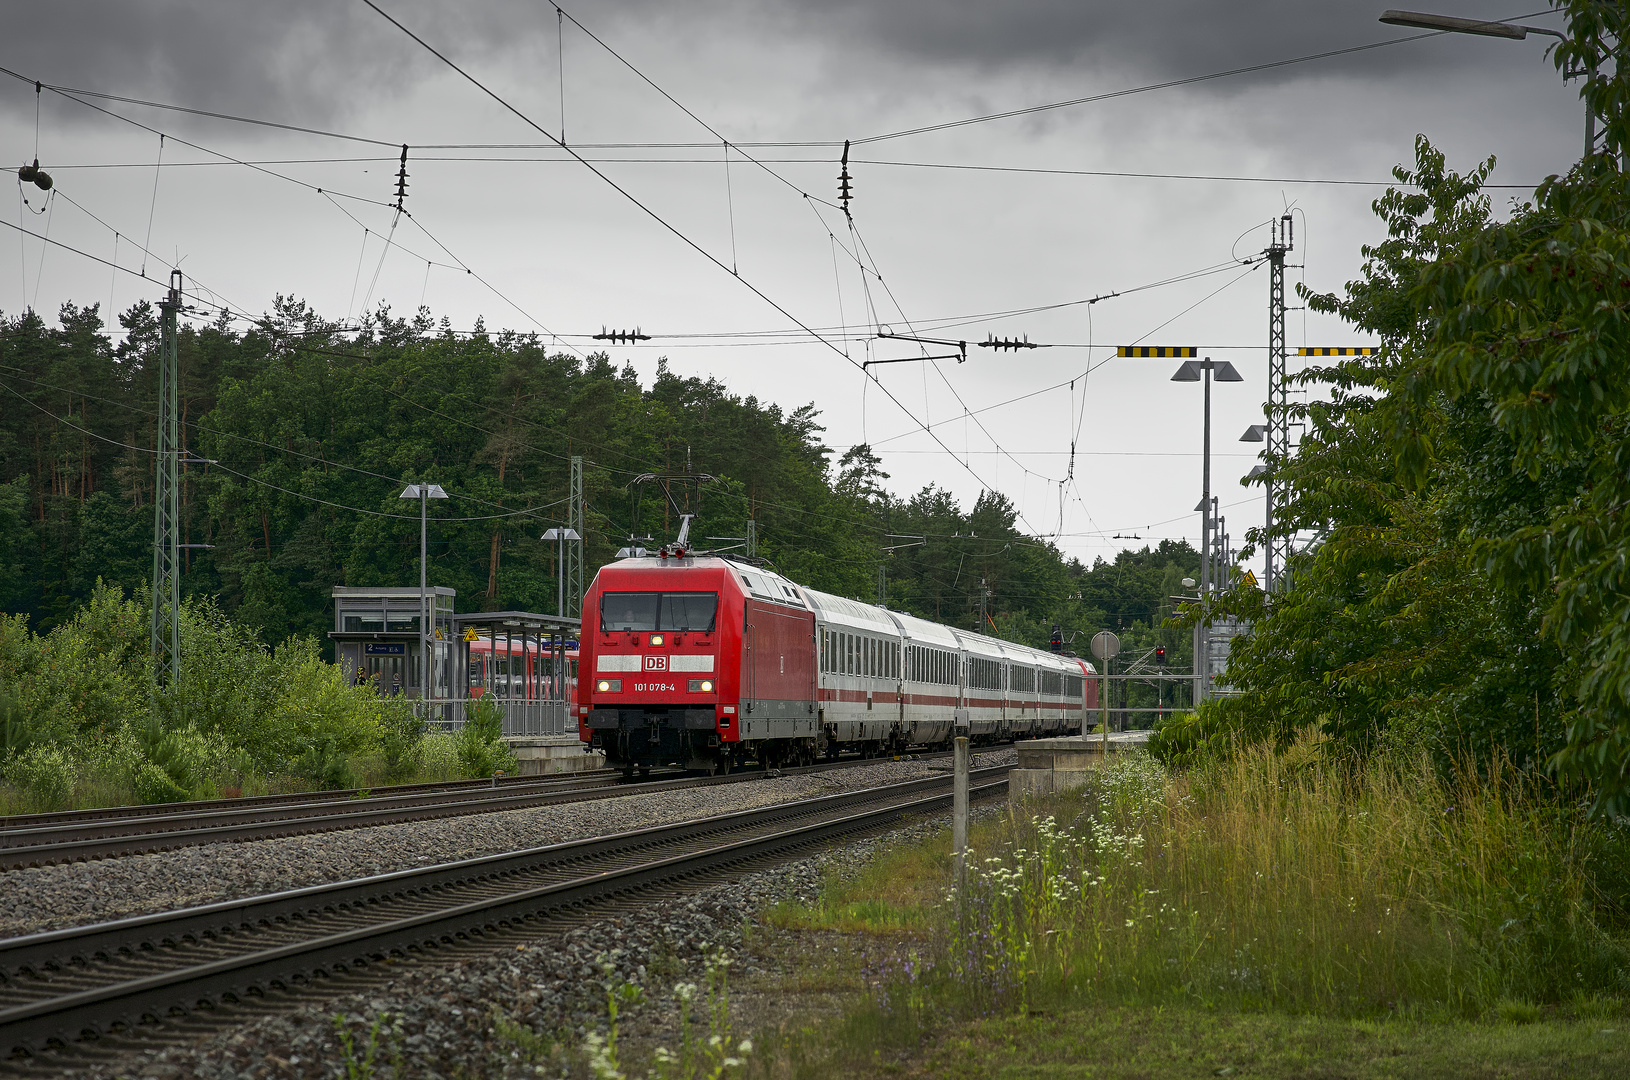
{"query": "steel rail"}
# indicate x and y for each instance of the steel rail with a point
(70, 817)
(102, 838)
(456, 910)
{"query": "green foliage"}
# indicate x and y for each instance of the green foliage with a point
(492, 417)
(44, 774)
(1292, 879)
(480, 742)
(1190, 739)
(401, 740)
(323, 766)
(154, 784)
(1471, 587)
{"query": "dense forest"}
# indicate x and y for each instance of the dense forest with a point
(300, 437)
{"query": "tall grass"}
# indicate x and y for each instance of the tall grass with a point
(1291, 881)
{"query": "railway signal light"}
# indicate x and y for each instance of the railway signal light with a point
(1057, 642)
(1160, 655)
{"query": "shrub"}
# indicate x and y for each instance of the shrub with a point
(154, 785)
(44, 774)
(15, 732)
(401, 741)
(439, 756)
(481, 747)
(324, 767)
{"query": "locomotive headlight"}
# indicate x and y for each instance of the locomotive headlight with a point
(701, 686)
(656, 639)
(609, 686)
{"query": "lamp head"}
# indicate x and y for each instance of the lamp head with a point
(1223, 371)
(1448, 24)
(1255, 433)
(1188, 372)
(423, 491)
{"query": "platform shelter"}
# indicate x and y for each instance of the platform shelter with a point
(523, 660)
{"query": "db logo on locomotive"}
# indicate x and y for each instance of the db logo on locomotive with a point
(656, 663)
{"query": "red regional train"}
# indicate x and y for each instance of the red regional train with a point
(709, 661)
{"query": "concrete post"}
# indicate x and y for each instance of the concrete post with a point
(959, 809)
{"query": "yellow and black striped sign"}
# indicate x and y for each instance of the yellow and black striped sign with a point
(1155, 350)
(1349, 350)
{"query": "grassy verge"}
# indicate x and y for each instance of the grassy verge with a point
(1275, 914)
(1124, 1042)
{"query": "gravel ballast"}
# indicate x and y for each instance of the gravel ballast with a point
(76, 894)
(443, 1019)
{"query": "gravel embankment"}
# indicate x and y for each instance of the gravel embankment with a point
(514, 1012)
(75, 894)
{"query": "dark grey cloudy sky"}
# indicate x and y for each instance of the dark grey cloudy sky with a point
(952, 244)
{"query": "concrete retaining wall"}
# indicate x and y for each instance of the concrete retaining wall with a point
(540, 754)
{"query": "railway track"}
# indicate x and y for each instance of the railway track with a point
(41, 840)
(60, 987)
(76, 817)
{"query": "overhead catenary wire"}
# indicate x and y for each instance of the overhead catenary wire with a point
(823, 162)
(328, 191)
(652, 214)
(1168, 84)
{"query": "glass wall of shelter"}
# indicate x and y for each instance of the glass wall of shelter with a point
(517, 655)
(377, 638)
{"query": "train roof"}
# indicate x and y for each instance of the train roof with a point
(836, 609)
(925, 632)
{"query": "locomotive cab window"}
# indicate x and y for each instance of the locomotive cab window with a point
(642, 611)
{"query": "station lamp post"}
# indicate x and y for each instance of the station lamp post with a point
(561, 537)
(1448, 24)
(1202, 371)
(424, 493)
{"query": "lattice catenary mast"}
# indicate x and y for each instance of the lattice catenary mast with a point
(165, 625)
(1281, 241)
(576, 576)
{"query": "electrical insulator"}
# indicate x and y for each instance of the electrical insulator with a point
(401, 179)
(1006, 344)
(844, 191)
(622, 336)
(38, 176)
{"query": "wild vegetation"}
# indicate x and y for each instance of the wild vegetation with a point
(1411, 811)
(1288, 882)
(83, 721)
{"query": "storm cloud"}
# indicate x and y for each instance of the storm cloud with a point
(311, 61)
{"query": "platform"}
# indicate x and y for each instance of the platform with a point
(541, 754)
(1049, 766)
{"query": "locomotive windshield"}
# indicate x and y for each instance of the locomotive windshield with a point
(658, 611)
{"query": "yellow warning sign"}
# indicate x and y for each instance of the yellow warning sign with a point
(1250, 579)
(470, 634)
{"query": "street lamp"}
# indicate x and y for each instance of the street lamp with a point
(1198, 371)
(560, 536)
(1448, 24)
(424, 493)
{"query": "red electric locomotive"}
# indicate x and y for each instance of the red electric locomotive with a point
(707, 661)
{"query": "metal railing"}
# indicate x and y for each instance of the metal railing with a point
(522, 716)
